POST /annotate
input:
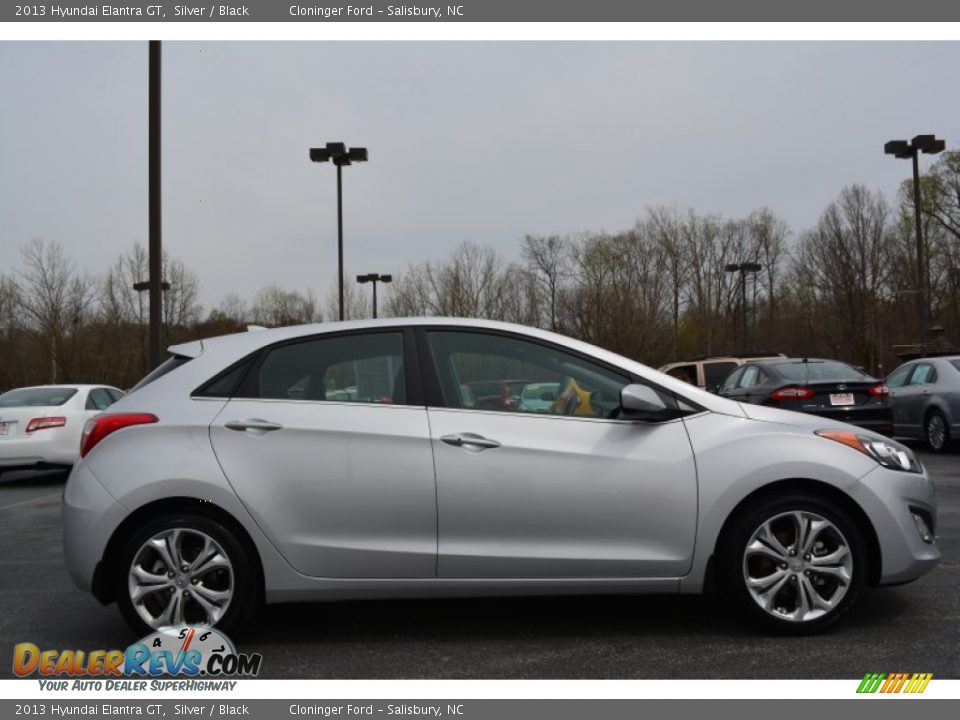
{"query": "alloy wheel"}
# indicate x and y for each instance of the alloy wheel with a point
(798, 566)
(180, 576)
(936, 431)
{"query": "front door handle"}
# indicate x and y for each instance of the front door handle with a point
(256, 425)
(470, 441)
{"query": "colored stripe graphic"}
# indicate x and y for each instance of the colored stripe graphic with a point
(894, 683)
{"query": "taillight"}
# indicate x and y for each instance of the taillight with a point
(879, 390)
(792, 393)
(97, 428)
(43, 423)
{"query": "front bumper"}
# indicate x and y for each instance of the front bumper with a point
(90, 516)
(890, 499)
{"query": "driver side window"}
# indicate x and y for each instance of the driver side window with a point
(483, 371)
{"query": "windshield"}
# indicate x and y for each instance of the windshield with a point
(37, 397)
(814, 370)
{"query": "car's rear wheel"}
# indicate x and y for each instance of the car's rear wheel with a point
(937, 431)
(793, 564)
(184, 569)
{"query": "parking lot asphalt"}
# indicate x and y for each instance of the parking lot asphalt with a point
(911, 628)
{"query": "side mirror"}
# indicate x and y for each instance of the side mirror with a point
(641, 399)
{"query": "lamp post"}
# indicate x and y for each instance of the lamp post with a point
(340, 155)
(150, 362)
(930, 145)
(374, 278)
(155, 252)
(743, 268)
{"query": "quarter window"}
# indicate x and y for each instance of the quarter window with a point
(497, 372)
(348, 368)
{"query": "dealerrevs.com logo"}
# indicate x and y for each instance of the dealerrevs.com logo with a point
(894, 683)
(186, 651)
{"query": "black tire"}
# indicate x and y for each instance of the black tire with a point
(937, 432)
(732, 567)
(246, 596)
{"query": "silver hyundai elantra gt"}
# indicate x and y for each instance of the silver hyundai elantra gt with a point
(393, 458)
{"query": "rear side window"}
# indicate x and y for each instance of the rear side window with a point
(168, 365)
(752, 376)
(923, 375)
(716, 373)
(36, 397)
(687, 373)
(349, 368)
(99, 399)
(899, 376)
(732, 379)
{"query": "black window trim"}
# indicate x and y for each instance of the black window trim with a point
(408, 341)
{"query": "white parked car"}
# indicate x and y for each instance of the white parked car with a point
(40, 427)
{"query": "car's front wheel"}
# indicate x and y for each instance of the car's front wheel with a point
(184, 569)
(793, 564)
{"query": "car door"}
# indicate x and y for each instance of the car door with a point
(571, 493)
(897, 385)
(915, 396)
(326, 443)
(753, 385)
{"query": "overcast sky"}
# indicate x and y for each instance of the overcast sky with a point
(483, 142)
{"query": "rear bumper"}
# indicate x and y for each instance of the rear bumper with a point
(90, 515)
(50, 447)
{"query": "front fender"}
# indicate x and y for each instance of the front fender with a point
(738, 456)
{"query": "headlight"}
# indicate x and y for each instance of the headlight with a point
(890, 454)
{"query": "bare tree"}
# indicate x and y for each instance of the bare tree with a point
(273, 306)
(357, 301)
(548, 264)
(53, 297)
(844, 263)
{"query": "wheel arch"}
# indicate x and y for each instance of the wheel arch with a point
(102, 587)
(813, 487)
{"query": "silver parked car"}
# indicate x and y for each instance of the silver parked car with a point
(925, 396)
(241, 471)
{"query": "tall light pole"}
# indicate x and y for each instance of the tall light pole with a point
(743, 268)
(340, 155)
(902, 149)
(374, 278)
(155, 251)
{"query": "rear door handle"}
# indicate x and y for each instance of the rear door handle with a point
(470, 441)
(256, 425)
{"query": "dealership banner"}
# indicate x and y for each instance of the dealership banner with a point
(465, 709)
(578, 11)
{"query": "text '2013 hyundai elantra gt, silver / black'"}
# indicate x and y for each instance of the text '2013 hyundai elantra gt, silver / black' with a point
(352, 460)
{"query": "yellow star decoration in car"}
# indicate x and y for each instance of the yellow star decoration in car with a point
(573, 393)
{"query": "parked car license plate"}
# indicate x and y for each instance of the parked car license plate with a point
(841, 398)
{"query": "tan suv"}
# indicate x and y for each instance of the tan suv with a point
(709, 373)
